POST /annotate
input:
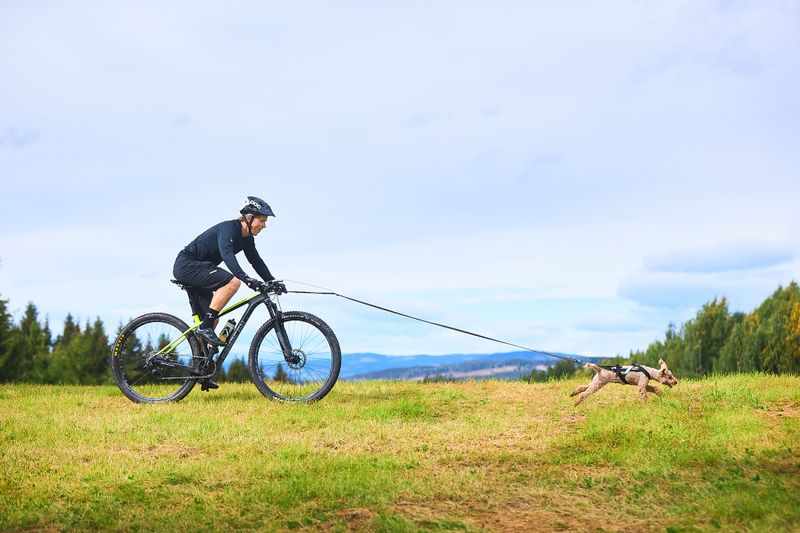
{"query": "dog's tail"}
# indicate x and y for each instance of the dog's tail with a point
(593, 367)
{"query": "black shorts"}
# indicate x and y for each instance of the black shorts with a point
(201, 279)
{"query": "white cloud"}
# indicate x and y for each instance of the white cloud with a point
(721, 257)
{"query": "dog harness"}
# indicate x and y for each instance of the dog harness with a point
(622, 371)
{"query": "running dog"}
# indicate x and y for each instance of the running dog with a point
(633, 374)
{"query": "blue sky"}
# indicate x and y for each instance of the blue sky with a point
(562, 176)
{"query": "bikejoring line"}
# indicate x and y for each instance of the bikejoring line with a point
(331, 292)
(294, 355)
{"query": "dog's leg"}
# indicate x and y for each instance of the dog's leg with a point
(643, 390)
(593, 387)
(653, 389)
(580, 389)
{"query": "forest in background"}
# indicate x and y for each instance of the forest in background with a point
(717, 341)
(714, 341)
(78, 355)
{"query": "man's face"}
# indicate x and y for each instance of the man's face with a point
(258, 224)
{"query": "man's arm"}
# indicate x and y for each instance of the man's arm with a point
(252, 255)
(226, 250)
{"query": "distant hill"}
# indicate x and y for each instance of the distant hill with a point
(362, 366)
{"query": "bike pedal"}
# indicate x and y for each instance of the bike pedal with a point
(207, 385)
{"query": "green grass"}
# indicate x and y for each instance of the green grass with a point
(720, 453)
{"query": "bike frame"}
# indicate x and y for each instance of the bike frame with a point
(252, 302)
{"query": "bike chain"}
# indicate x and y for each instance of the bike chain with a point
(214, 363)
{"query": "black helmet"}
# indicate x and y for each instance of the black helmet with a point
(254, 205)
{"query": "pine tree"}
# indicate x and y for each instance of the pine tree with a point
(34, 344)
(41, 359)
(96, 358)
(280, 375)
(67, 361)
(71, 329)
(238, 372)
(7, 360)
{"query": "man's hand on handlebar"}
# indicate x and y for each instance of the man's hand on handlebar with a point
(256, 285)
(271, 286)
(276, 286)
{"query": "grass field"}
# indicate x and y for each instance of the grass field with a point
(721, 453)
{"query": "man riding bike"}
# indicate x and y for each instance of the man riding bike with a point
(196, 266)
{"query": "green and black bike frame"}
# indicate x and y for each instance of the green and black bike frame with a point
(252, 302)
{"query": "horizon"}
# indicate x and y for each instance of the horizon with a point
(246, 337)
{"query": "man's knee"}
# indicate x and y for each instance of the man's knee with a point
(234, 284)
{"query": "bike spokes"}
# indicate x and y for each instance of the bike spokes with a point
(153, 361)
(305, 373)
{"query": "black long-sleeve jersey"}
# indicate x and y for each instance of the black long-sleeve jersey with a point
(222, 242)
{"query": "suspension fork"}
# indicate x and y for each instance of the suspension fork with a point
(280, 331)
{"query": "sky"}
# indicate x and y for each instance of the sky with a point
(567, 176)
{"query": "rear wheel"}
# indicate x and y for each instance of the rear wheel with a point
(153, 362)
(305, 375)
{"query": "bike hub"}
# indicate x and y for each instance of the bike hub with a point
(297, 360)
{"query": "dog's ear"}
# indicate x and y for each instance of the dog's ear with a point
(662, 364)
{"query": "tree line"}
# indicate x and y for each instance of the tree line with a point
(80, 355)
(718, 341)
(714, 341)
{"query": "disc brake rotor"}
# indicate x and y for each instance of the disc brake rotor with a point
(297, 360)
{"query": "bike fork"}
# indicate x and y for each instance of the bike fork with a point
(283, 338)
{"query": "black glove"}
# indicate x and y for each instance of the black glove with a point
(276, 286)
(254, 284)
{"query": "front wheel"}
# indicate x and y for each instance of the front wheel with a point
(305, 375)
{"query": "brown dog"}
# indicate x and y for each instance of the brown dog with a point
(638, 375)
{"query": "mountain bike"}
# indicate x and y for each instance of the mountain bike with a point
(294, 356)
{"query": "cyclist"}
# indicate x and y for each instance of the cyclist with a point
(196, 266)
